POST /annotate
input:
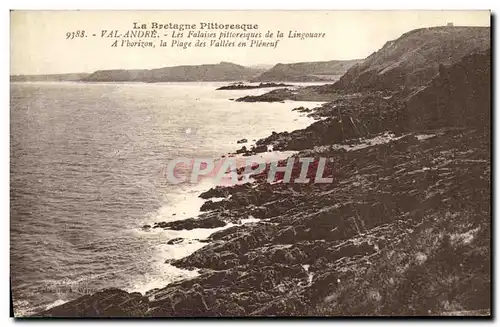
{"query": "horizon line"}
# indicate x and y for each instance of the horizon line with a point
(184, 65)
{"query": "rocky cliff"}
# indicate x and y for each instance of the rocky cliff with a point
(414, 58)
(224, 71)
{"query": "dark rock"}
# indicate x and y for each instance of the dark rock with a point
(106, 303)
(273, 96)
(302, 109)
(242, 150)
(191, 223)
(259, 149)
(176, 240)
(210, 205)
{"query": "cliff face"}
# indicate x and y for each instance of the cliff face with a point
(307, 71)
(413, 59)
(223, 71)
(460, 95)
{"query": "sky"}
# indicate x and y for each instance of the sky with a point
(39, 46)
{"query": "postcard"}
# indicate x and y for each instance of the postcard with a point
(250, 163)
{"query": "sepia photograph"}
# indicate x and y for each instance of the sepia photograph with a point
(250, 163)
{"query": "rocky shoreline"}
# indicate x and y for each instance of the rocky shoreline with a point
(404, 229)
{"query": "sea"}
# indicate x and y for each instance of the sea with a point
(87, 165)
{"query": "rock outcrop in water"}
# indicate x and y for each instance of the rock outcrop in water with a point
(409, 62)
(191, 223)
(403, 229)
(241, 86)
